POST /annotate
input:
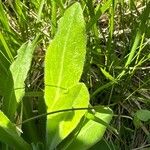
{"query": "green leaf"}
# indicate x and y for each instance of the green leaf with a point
(20, 68)
(3, 17)
(9, 100)
(61, 125)
(9, 135)
(7, 51)
(91, 132)
(15, 87)
(39, 14)
(65, 56)
(100, 9)
(63, 68)
(143, 114)
(3, 74)
(107, 75)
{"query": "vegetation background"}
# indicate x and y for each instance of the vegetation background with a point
(117, 65)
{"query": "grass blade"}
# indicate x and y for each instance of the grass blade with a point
(3, 18)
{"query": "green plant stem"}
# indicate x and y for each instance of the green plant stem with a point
(54, 112)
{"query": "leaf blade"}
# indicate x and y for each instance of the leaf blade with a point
(68, 55)
(15, 86)
(61, 125)
(91, 132)
(9, 135)
(63, 68)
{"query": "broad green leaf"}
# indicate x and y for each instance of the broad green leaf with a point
(91, 132)
(15, 87)
(143, 115)
(63, 68)
(65, 56)
(9, 135)
(60, 126)
(20, 68)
